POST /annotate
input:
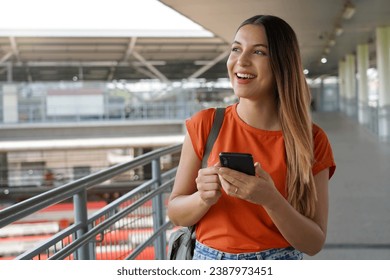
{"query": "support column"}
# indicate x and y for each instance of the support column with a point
(342, 85)
(9, 72)
(383, 64)
(81, 216)
(160, 243)
(10, 103)
(3, 170)
(350, 88)
(363, 64)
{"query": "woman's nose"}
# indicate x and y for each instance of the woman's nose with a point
(243, 60)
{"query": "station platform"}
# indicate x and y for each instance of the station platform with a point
(359, 192)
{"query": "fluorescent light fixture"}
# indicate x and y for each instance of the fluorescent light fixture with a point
(349, 10)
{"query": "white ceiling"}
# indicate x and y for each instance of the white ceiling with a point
(40, 58)
(313, 21)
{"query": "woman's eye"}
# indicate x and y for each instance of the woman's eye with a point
(259, 52)
(234, 49)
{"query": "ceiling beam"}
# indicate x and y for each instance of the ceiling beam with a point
(145, 72)
(5, 57)
(68, 64)
(153, 69)
(209, 64)
(130, 49)
(62, 63)
(111, 74)
(15, 48)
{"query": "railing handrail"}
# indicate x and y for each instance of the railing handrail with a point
(46, 244)
(103, 225)
(22, 209)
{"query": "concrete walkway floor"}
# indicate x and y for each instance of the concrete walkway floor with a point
(359, 192)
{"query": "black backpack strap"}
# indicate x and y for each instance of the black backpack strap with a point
(217, 123)
(218, 120)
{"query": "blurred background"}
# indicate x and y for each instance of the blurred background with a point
(87, 85)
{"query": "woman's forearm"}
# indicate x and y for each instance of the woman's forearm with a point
(301, 232)
(306, 235)
(187, 210)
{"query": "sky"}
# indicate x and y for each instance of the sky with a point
(127, 18)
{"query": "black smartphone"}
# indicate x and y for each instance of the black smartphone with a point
(238, 161)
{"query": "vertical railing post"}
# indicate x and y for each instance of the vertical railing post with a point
(158, 213)
(81, 216)
(92, 246)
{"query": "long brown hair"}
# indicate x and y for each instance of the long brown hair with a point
(293, 101)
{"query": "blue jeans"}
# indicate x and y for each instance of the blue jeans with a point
(203, 252)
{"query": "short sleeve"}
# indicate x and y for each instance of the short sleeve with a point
(323, 154)
(198, 128)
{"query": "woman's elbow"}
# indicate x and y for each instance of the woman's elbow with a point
(315, 248)
(313, 252)
(171, 215)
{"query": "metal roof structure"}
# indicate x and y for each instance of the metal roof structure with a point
(322, 27)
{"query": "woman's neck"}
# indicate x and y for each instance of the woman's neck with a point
(259, 114)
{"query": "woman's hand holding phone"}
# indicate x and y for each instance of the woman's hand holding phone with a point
(209, 185)
(258, 189)
(238, 161)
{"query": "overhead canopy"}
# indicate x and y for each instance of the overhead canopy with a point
(165, 45)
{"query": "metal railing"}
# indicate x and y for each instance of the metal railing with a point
(130, 227)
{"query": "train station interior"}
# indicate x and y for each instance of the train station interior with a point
(93, 103)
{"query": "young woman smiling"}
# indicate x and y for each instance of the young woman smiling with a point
(282, 211)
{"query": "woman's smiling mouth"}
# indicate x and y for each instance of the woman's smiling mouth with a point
(245, 76)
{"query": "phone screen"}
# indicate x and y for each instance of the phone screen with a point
(238, 161)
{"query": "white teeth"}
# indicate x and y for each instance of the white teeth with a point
(245, 76)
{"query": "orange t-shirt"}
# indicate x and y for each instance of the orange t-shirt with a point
(234, 225)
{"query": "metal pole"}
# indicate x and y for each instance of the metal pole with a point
(81, 216)
(4, 170)
(158, 213)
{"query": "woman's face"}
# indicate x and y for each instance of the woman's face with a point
(249, 63)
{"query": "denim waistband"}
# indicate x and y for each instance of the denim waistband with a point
(203, 252)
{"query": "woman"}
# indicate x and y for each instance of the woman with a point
(282, 211)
